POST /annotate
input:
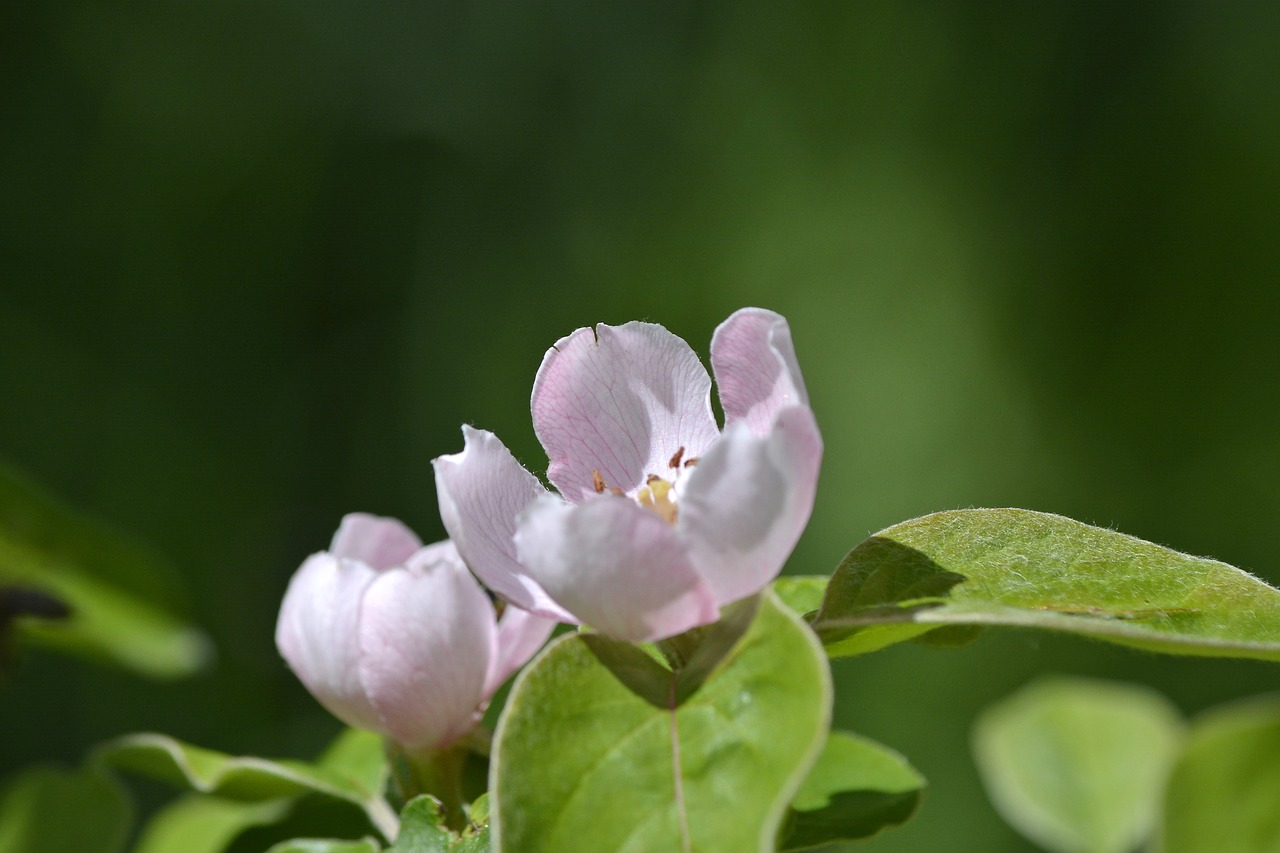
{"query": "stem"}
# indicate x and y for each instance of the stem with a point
(437, 772)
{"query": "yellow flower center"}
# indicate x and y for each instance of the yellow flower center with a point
(656, 496)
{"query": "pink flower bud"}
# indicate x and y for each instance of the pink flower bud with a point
(398, 638)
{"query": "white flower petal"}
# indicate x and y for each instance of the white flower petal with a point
(757, 374)
(317, 632)
(747, 502)
(427, 638)
(619, 402)
(620, 569)
(481, 492)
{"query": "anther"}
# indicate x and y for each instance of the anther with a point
(691, 461)
(597, 481)
(675, 459)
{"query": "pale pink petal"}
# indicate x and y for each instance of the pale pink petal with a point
(520, 635)
(317, 635)
(481, 492)
(373, 540)
(617, 567)
(426, 641)
(747, 502)
(620, 401)
(757, 374)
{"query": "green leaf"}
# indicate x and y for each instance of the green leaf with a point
(200, 823)
(203, 824)
(1224, 791)
(856, 789)
(344, 773)
(51, 810)
(802, 594)
(107, 581)
(1078, 765)
(1016, 567)
(601, 748)
(423, 830)
(325, 845)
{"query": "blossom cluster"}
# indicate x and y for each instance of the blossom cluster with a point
(656, 520)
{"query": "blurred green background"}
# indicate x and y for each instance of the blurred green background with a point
(259, 261)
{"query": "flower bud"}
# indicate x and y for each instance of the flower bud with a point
(398, 638)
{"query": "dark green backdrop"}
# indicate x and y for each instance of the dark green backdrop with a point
(259, 261)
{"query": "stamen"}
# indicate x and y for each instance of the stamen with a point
(651, 479)
(597, 481)
(657, 497)
(675, 459)
(691, 461)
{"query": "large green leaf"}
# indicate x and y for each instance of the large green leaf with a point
(1016, 567)
(601, 748)
(346, 772)
(856, 789)
(108, 582)
(50, 810)
(1224, 792)
(1078, 766)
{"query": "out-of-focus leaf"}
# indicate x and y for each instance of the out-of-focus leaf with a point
(50, 810)
(325, 845)
(113, 588)
(344, 774)
(1078, 766)
(602, 748)
(1224, 791)
(1032, 569)
(856, 789)
(801, 593)
(198, 823)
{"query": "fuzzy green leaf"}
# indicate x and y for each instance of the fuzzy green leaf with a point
(856, 789)
(50, 810)
(1079, 766)
(1015, 567)
(1224, 791)
(601, 748)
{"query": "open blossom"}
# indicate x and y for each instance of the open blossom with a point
(398, 638)
(660, 517)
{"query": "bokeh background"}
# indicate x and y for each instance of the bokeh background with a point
(259, 261)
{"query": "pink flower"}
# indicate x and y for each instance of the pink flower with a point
(661, 518)
(398, 638)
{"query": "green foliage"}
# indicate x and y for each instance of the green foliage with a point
(856, 789)
(238, 778)
(1079, 766)
(601, 748)
(106, 581)
(249, 791)
(1017, 567)
(1224, 791)
(197, 823)
(49, 810)
(325, 845)
(801, 593)
(422, 830)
